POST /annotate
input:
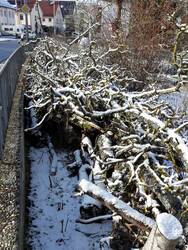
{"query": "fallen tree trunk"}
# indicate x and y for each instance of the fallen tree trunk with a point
(89, 207)
(116, 205)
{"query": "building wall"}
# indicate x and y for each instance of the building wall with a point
(34, 19)
(35, 16)
(58, 20)
(20, 18)
(47, 21)
(7, 16)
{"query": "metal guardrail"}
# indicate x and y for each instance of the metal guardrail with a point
(8, 79)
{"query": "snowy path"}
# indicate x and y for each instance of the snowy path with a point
(54, 208)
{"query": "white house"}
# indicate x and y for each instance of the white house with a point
(33, 16)
(41, 12)
(52, 15)
(7, 13)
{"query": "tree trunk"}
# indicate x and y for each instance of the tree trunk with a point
(165, 233)
(119, 12)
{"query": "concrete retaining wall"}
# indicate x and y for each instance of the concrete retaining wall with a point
(12, 167)
(12, 178)
(8, 79)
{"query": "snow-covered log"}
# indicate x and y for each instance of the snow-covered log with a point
(89, 207)
(116, 205)
(165, 233)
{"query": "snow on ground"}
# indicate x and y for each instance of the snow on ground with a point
(54, 208)
(4, 39)
(178, 100)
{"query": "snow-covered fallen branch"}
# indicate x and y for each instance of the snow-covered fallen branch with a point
(94, 219)
(116, 205)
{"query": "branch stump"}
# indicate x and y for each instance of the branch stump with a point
(165, 233)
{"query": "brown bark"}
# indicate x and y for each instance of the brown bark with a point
(119, 13)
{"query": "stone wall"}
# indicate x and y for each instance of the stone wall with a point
(12, 178)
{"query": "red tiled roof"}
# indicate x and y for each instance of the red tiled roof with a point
(31, 4)
(48, 9)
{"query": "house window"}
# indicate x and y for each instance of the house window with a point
(49, 19)
(5, 14)
(43, 19)
(21, 16)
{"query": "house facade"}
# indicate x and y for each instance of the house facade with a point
(7, 13)
(32, 16)
(51, 16)
(41, 13)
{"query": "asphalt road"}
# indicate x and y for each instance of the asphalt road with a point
(7, 48)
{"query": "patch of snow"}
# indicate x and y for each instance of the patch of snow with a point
(177, 100)
(78, 157)
(54, 208)
(5, 39)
